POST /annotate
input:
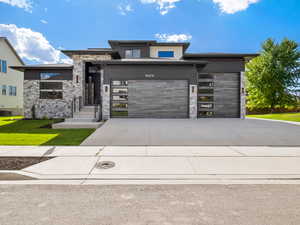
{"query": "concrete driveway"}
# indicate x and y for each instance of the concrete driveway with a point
(186, 132)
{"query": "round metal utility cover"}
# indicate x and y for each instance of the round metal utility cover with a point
(105, 165)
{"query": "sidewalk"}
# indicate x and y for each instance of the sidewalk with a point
(159, 165)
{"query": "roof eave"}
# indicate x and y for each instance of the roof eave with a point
(24, 68)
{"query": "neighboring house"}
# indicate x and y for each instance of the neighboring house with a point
(11, 81)
(138, 79)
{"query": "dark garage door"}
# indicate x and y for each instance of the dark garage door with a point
(157, 98)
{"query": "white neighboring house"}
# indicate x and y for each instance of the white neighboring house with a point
(11, 81)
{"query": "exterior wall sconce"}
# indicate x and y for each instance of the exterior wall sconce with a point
(106, 89)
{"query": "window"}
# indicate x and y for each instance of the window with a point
(12, 90)
(3, 90)
(132, 53)
(120, 98)
(51, 85)
(205, 91)
(205, 76)
(206, 114)
(205, 98)
(206, 106)
(206, 84)
(165, 54)
(120, 105)
(119, 83)
(49, 76)
(3, 66)
(120, 90)
(51, 95)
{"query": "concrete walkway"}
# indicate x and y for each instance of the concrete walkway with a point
(199, 132)
(161, 164)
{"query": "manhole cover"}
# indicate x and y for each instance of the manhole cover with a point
(105, 165)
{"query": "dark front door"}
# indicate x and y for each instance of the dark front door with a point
(92, 89)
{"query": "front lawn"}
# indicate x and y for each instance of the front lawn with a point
(294, 117)
(15, 131)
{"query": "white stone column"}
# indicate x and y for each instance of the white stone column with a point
(193, 101)
(243, 96)
(105, 101)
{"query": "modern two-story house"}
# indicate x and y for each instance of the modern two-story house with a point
(138, 79)
(11, 81)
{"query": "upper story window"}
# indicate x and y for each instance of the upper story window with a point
(49, 76)
(166, 54)
(132, 53)
(3, 66)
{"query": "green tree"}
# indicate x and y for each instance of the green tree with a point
(272, 76)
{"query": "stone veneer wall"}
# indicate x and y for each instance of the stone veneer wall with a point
(50, 108)
(193, 101)
(58, 108)
(79, 69)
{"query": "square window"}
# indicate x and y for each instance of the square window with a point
(165, 54)
(132, 53)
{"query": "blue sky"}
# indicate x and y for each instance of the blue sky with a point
(38, 28)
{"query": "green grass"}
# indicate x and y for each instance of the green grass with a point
(294, 117)
(15, 131)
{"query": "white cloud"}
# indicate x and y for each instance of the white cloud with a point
(173, 37)
(32, 46)
(226, 6)
(163, 5)
(233, 6)
(124, 9)
(24, 4)
(44, 21)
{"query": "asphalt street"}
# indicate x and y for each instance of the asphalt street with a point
(150, 205)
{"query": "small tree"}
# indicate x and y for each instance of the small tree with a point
(272, 76)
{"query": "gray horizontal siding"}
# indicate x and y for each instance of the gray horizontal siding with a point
(158, 99)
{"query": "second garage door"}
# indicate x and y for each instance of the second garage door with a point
(157, 99)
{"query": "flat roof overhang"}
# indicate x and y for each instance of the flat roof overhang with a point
(42, 67)
(70, 53)
(150, 62)
(219, 55)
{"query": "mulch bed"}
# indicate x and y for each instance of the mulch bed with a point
(18, 163)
